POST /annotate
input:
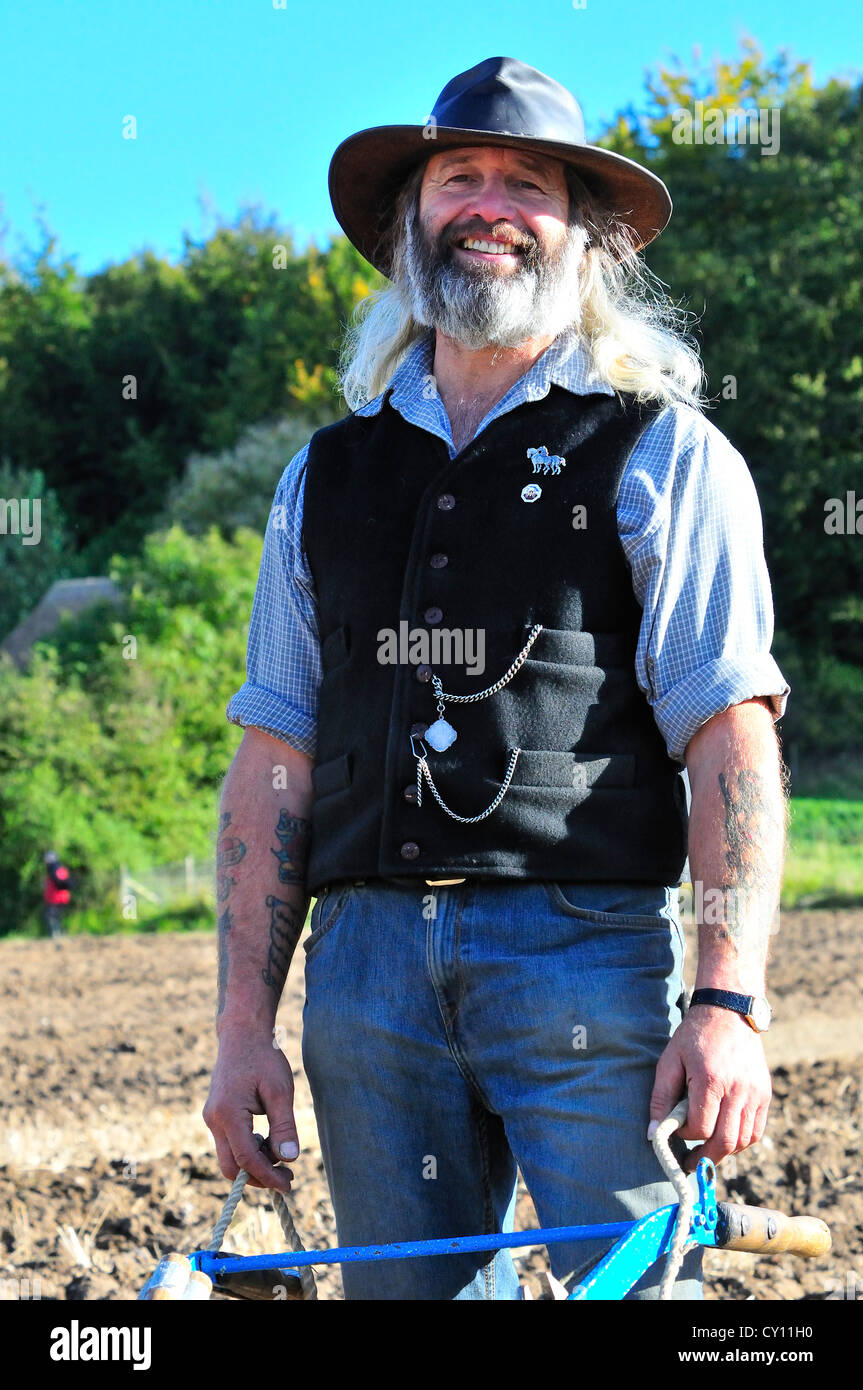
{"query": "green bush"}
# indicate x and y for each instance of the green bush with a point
(27, 571)
(824, 863)
(235, 487)
(114, 742)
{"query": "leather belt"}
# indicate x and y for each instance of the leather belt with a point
(408, 881)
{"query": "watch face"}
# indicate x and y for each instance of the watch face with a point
(760, 1013)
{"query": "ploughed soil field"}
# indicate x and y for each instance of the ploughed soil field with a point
(105, 1163)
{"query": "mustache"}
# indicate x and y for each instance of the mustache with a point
(522, 241)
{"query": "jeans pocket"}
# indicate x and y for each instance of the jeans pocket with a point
(326, 913)
(628, 904)
(677, 921)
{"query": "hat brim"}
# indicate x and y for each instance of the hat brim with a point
(368, 169)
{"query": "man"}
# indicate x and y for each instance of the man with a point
(493, 976)
(55, 893)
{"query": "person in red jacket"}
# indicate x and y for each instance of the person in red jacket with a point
(58, 882)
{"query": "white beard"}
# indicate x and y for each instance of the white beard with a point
(480, 307)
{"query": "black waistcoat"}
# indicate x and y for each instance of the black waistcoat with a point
(393, 530)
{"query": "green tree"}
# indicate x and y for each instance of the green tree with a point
(766, 248)
(109, 382)
(114, 742)
(35, 548)
(235, 487)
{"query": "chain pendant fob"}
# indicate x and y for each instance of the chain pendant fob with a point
(440, 735)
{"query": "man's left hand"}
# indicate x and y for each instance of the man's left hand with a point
(718, 1060)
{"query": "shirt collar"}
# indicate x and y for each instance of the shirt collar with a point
(565, 363)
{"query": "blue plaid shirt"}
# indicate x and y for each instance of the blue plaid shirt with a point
(689, 522)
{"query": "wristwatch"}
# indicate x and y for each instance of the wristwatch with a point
(753, 1007)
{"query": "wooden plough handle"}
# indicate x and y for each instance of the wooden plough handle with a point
(770, 1232)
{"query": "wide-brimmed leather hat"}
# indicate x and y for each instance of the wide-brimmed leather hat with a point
(501, 101)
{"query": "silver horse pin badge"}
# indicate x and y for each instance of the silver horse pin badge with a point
(543, 462)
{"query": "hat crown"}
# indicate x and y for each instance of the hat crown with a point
(507, 97)
(499, 102)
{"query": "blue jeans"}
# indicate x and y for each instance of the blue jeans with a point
(451, 1035)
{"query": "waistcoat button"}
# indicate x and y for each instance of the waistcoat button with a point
(424, 673)
(433, 615)
(438, 561)
(446, 502)
(410, 794)
(418, 730)
(410, 850)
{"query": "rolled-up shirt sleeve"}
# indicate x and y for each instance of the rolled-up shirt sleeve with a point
(283, 661)
(690, 523)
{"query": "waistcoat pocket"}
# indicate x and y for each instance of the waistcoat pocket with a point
(538, 767)
(567, 647)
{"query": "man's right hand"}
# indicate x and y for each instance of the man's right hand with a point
(252, 1077)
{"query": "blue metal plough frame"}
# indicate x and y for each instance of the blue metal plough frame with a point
(638, 1245)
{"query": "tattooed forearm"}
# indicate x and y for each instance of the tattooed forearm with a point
(293, 834)
(230, 851)
(262, 899)
(285, 919)
(223, 961)
(736, 844)
(752, 852)
(744, 811)
(286, 924)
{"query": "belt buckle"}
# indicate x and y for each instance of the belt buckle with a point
(443, 882)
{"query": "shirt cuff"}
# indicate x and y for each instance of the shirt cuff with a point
(255, 706)
(712, 688)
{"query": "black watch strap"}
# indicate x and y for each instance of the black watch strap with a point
(725, 998)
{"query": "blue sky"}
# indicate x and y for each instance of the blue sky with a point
(238, 101)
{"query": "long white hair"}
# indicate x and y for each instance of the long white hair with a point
(636, 338)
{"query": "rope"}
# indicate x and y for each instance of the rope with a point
(661, 1148)
(686, 1196)
(283, 1212)
(289, 1230)
(232, 1201)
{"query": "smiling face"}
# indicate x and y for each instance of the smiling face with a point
(491, 255)
(509, 198)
